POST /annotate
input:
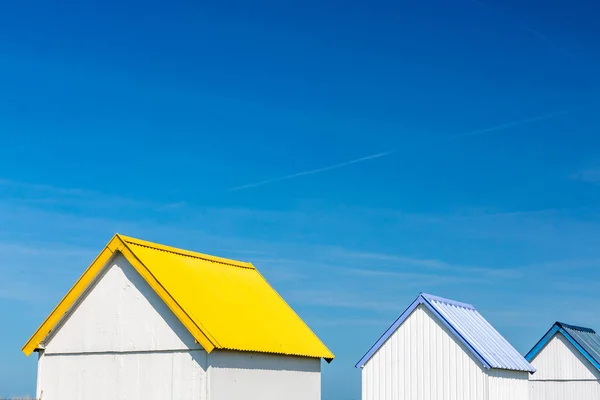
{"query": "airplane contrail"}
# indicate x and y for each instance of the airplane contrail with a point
(313, 171)
(494, 128)
(509, 125)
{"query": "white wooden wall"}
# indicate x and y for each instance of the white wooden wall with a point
(423, 361)
(505, 385)
(238, 375)
(563, 373)
(121, 313)
(122, 342)
(127, 376)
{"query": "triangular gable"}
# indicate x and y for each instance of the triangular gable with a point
(244, 312)
(115, 245)
(390, 331)
(568, 331)
(485, 344)
(119, 312)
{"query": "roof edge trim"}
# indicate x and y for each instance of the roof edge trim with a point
(448, 301)
(71, 297)
(388, 332)
(188, 253)
(576, 328)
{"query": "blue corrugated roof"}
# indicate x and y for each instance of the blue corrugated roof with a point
(585, 340)
(465, 322)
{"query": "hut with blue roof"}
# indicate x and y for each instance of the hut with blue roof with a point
(443, 349)
(567, 359)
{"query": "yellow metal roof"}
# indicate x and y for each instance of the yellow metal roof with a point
(225, 304)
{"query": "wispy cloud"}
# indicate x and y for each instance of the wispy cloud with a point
(339, 299)
(28, 193)
(385, 322)
(509, 125)
(313, 171)
(46, 250)
(8, 183)
(172, 206)
(490, 129)
(243, 251)
(438, 268)
(416, 279)
(28, 292)
(394, 258)
(482, 213)
(588, 175)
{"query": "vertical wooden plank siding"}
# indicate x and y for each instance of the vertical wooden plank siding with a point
(423, 361)
(563, 373)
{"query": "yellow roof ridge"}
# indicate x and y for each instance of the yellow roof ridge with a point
(183, 252)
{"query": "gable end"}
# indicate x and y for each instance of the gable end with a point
(390, 331)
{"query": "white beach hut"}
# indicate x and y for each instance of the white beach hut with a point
(147, 321)
(567, 359)
(440, 349)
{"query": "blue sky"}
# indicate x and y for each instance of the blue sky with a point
(450, 148)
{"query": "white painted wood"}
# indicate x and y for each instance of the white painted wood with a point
(422, 360)
(565, 390)
(513, 385)
(120, 312)
(126, 376)
(560, 360)
(242, 375)
(38, 384)
(563, 373)
(120, 341)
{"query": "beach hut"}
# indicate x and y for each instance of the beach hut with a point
(441, 349)
(147, 321)
(567, 359)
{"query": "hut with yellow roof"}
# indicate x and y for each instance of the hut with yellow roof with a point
(147, 321)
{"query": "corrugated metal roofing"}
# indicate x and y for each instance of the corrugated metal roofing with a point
(585, 340)
(469, 327)
(480, 335)
(225, 304)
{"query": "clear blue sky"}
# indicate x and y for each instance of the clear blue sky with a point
(140, 117)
